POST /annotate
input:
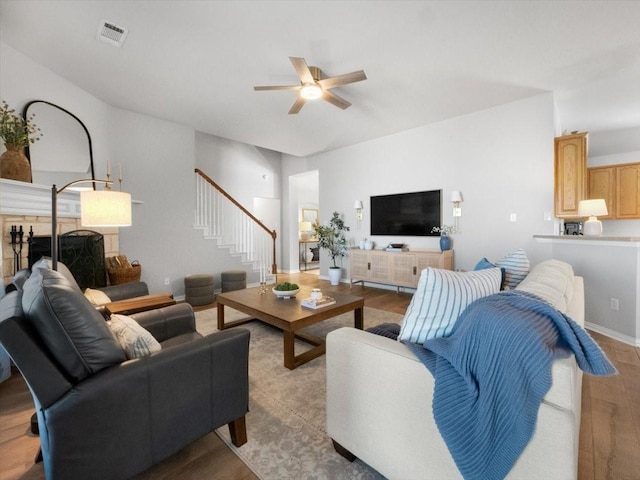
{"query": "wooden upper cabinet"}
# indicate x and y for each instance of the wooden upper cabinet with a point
(602, 184)
(619, 185)
(570, 174)
(628, 191)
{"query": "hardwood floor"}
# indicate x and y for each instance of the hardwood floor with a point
(609, 434)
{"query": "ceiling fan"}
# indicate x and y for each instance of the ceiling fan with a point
(313, 86)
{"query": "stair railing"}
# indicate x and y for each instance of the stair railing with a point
(223, 218)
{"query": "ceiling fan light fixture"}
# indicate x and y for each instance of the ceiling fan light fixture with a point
(311, 91)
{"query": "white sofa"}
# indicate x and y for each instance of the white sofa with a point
(379, 409)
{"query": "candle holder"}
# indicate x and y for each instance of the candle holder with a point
(263, 280)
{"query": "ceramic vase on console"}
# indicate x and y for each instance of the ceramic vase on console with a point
(14, 165)
(308, 255)
(445, 242)
(334, 275)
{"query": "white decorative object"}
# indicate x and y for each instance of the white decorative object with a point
(316, 294)
(309, 255)
(593, 209)
(334, 275)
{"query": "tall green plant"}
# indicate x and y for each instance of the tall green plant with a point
(331, 237)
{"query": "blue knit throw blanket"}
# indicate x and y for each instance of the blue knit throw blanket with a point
(493, 371)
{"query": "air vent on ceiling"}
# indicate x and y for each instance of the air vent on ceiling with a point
(111, 33)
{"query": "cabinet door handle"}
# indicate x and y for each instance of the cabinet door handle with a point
(368, 265)
(415, 270)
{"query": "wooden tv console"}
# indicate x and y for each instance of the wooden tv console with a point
(401, 269)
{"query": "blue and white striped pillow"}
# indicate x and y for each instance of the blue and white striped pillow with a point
(441, 297)
(516, 267)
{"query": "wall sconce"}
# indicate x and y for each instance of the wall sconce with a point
(593, 209)
(358, 206)
(456, 198)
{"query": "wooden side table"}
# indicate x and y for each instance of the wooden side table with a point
(140, 304)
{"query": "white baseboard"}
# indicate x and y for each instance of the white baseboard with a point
(635, 342)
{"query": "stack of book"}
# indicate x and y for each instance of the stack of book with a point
(314, 303)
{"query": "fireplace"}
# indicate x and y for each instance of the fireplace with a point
(82, 251)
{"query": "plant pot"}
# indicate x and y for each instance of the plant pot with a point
(445, 242)
(14, 165)
(334, 275)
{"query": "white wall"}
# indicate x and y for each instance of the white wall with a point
(22, 81)
(501, 159)
(610, 270)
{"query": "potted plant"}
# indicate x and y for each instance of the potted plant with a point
(16, 132)
(331, 238)
(444, 231)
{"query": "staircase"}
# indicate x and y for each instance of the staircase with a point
(223, 219)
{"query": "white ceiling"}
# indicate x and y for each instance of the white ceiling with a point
(196, 62)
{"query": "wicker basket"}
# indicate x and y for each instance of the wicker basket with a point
(121, 271)
(125, 275)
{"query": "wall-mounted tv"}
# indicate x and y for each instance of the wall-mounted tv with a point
(407, 214)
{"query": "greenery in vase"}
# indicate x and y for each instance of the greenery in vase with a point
(286, 287)
(331, 237)
(444, 229)
(16, 130)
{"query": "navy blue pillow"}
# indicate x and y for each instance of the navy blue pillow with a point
(389, 330)
(484, 263)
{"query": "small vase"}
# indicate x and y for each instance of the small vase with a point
(14, 165)
(308, 255)
(445, 242)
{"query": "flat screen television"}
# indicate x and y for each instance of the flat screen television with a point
(406, 214)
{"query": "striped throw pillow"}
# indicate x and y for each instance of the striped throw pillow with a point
(516, 267)
(441, 297)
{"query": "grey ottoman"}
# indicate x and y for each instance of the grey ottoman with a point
(198, 289)
(234, 280)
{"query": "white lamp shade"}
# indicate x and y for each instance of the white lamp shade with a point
(596, 207)
(456, 196)
(305, 226)
(105, 208)
(358, 205)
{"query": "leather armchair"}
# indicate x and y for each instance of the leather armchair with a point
(101, 416)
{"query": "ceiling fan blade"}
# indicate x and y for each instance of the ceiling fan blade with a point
(297, 105)
(302, 69)
(277, 87)
(338, 80)
(335, 99)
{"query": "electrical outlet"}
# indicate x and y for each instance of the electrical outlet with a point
(513, 217)
(167, 281)
(615, 304)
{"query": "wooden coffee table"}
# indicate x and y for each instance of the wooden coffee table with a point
(140, 304)
(289, 316)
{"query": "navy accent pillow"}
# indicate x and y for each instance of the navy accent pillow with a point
(389, 330)
(484, 263)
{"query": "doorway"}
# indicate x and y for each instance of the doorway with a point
(304, 193)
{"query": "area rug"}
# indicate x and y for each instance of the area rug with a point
(286, 424)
